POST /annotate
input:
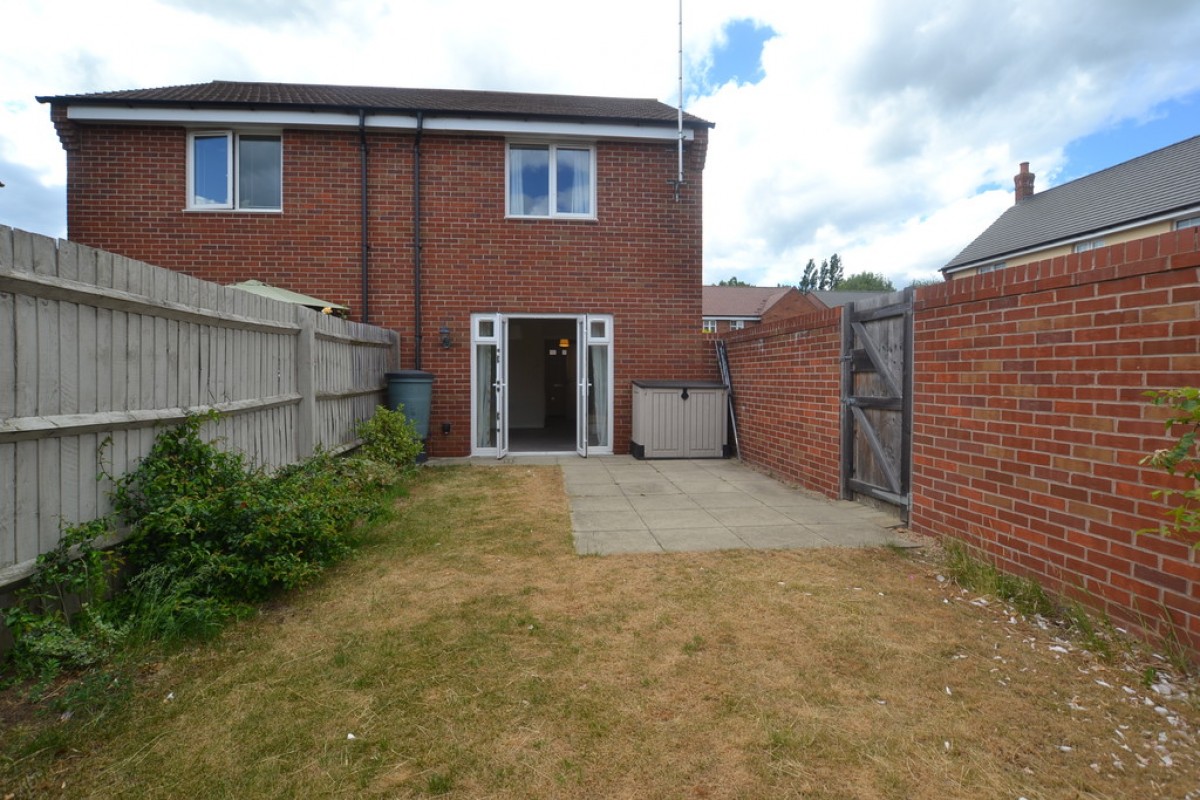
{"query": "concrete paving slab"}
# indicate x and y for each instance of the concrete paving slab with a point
(685, 540)
(662, 502)
(705, 486)
(779, 537)
(728, 500)
(649, 487)
(616, 542)
(609, 503)
(607, 521)
(673, 519)
(594, 490)
(751, 516)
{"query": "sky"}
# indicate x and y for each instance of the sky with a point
(885, 132)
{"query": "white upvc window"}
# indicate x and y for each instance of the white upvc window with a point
(1190, 222)
(708, 326)
(551, 180)
(737, 324)
(227, 170)
(995, 265)
(1091, 244)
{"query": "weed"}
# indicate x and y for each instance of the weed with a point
(693, 645)
(1181, 458)
(1025, 595)
(439, 784)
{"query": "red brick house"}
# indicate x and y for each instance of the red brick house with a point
(732, 308)
(536, 253)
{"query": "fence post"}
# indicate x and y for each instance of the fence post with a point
(306, 412)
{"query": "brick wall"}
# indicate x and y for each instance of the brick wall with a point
(639, 261)
(786, 380)
(1029, 419)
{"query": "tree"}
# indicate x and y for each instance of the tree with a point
(867, 282)
(808, 282)
(733, 282)
(826, 278)
(835, 272)
(917, 283)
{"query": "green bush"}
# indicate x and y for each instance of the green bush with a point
(390, 438)
(1182, 458)
(59, 621)
(208, 536)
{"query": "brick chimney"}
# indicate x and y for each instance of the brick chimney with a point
(1024, 182)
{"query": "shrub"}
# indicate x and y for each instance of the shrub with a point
(390, 438)
(59, 623)
(1182, 458)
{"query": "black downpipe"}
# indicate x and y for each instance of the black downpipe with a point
(418, 336)
(362, 202)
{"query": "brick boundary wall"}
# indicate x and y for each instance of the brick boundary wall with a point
(786, 382)
(1030, 419)
(1029, 422)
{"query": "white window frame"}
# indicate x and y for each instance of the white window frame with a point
(737, 324)
(995, 265)
(1190, 222)
(1090, 244)
(708, 325)
(552, 146)
(232, 187)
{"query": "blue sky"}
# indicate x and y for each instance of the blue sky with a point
(886, 132)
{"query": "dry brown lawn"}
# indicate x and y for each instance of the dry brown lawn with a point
(469, 653)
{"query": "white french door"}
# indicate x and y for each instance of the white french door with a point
(490, 391)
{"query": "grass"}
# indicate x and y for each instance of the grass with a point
(468, 652)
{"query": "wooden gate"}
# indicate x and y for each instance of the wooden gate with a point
(877, 398)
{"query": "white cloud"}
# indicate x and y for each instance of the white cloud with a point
(887, 132)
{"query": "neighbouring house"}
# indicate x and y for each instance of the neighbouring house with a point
(1145, 196)
(731, 308)
(537, 253)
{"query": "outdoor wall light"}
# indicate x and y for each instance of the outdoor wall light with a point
(444, 332)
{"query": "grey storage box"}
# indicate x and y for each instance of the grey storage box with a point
(679, 419)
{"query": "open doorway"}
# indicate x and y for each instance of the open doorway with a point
(541, 384)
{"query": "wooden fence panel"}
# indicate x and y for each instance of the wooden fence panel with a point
(97, 351)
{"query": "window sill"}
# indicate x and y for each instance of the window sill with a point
(202, 210)
(550, 219)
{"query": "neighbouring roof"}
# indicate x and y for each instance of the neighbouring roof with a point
(284, 295)
(740, 301)
(834, 299)
(240, 94)
(1153, 185)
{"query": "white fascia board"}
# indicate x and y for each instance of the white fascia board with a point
(276, 118)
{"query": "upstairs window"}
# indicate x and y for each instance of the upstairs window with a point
(1083, 247)
(1190, 222)
(737, 324)
(547, 180)
(992, 267)
(708, 326)
(235, 171)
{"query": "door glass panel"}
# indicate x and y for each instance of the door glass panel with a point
(485, 395)
(597, 411)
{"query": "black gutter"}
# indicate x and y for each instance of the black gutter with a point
(418, 336)
(362, 202)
